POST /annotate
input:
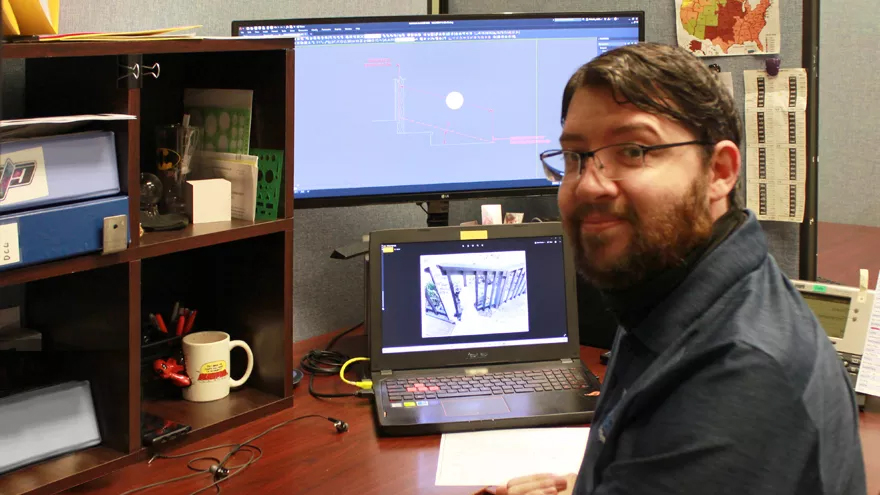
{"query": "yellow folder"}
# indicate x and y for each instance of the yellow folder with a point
(10, 26)
(36, 16)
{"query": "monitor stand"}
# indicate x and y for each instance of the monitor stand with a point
(438, 213)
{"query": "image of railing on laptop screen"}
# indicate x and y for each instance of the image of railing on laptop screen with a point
(474, 294)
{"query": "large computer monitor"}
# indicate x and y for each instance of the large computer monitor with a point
(423, 108)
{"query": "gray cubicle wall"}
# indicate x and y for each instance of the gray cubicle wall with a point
(660, 27)
(328, 293)
(849, 108)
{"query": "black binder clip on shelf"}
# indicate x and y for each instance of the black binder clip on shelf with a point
(715, 68)
(772, 66)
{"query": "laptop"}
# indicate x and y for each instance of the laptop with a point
(475, 328)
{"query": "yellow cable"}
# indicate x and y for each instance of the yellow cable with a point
(364, 384)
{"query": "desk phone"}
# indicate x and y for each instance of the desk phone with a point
(844, 313)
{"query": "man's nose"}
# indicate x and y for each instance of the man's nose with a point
(592, 185)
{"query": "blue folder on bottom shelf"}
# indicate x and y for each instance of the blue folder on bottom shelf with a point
(57, 232)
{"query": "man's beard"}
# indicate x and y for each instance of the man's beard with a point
(658, 242)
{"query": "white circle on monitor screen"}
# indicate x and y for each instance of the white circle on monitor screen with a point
(454, 100)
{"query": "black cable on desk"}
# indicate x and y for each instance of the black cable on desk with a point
(220, 465)
(328, 362)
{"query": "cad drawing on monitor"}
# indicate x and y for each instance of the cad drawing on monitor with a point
(428, 108)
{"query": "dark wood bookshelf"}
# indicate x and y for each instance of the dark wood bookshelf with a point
(239, 407)
(51, 49)
(62, 472)
(206, 234)
(237, 274)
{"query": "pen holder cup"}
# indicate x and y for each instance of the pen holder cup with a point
(175, 147)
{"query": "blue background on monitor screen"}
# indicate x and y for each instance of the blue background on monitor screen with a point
(433, 106)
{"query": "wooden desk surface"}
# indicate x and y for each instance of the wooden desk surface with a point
(308, 457)
(843, 249)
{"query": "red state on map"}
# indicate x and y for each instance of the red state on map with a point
(752, 24)
(727, 17)
(696, 45)
(738, 23)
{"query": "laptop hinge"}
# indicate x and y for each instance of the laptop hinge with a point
(386, 372)
(566, 361)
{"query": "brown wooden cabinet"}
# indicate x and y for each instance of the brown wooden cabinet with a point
(238, 274)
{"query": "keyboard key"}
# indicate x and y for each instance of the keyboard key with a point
(522, 390)
(444, 395)
(497, 391)
(411, 389)
(395, 397)
(434, 388)
(419, 396)
(430, 395)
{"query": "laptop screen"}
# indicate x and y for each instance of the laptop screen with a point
(447, 295)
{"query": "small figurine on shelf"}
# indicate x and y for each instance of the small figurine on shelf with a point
(170, 369)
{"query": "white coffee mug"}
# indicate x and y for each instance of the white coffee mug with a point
(206, 358)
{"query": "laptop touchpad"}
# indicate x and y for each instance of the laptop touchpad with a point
(475, 407)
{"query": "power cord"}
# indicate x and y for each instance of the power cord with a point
(328, 362)
(218, 470)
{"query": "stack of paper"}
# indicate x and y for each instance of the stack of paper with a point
(173, 33)
(240, 171)
(494, 457)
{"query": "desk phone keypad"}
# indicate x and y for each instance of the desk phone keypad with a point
(851, 363)
(511, 382)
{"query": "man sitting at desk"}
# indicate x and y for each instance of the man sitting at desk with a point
(721, 380)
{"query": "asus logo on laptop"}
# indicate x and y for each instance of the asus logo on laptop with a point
(14, 175)
(477, 355)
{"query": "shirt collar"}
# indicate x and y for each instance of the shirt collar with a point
(737, 247)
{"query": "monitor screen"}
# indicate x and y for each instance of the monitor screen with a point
(433, 107)
(473, 294)
(831, 311)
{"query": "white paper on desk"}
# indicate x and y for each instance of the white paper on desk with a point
(868, 381)
(240, 170)
(776, 136)
(494, 457)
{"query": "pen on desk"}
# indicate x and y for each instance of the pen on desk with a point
(161, 323)
(190, 321)
(180, 320)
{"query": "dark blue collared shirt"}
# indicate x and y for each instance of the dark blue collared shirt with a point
(728, 386)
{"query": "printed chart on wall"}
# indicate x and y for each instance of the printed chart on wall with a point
(776, 135)
(713, 28)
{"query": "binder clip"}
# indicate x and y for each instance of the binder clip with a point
(715, 68)
(772, 65)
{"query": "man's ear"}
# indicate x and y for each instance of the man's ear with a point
(724, 169)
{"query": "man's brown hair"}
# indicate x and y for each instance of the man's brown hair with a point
(667, 81)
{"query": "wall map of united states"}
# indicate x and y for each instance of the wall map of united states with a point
(728, 27)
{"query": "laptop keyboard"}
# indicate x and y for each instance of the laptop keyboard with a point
(510, 382)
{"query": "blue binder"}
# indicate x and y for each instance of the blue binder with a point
(58, 169)
(56, 232)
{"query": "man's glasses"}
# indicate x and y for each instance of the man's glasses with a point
(614, 162)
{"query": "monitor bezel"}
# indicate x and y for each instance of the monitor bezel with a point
(475, 356)
(443, 195)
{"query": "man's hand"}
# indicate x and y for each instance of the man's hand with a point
(537, 484)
